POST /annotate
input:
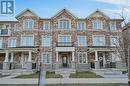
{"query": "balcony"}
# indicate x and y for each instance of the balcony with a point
(64, 44)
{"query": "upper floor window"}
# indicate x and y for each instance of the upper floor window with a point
(46, 41)
(98, 41)
(114, 41)
(64, 24)
(27, 41)
(82, 41)
(113, 26)
(5, 30)
(1, 42)
(64, 38)
(12, 42)
(28, 24)
(81, 26)
(97, 24)
(46, 25)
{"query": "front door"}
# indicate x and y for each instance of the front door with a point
(64, 61)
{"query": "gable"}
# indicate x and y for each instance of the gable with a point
(98, 13)
(26, 12)
(64, 12)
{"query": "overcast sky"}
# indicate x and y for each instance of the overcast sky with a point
(80, 8)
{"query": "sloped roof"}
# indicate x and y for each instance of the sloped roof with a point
(26, 10)
(64, 10)
(98, 11)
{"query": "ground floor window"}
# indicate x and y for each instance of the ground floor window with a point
(46, 57)
(82, 57)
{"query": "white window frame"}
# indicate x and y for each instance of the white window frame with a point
(26, 36)
(99, 25)
(78, 42)
(117, 38)
(81, 26)
(42, 59)
(1, 43)
(59, 20)
(96, 42)
(64, 35)
(28, 26)
(113, 27)
(46, 36)
(44, 25)
(86, 59)
(10, 45)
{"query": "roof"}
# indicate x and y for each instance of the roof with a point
(26, 10)
(64, 10)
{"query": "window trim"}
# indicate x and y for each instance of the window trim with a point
(45, 37)
(45, 26)
(115, 29)
(64, 28)
(50, 54)
(64, 35)
(9, 41)
(99, 36)
(111, 43)
(26, 36)
(85, 39)
(97, 20)
(82, 57)
(81, 28)
(28, 28)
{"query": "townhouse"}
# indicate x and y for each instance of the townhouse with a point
(62, 41)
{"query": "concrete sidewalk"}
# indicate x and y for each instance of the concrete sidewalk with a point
(66, 81)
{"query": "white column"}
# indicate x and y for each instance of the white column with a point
(104, 60)
(96, 56)
(12, 57)
(6, 56)
(73, 56)
(57, 56)
(30, 57)
(86, 58)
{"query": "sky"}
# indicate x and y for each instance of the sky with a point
(80, 8)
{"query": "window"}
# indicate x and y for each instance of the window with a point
(81, 26)
(114, 41)
(46, 25)
(82, 57)
(1, 42)
(113, 26)
(46, 58)
(64, 24)
(4, 31)
(12, 42)
(27, 41)
(98, 41)
(28, 24)
(115, 57)
(46, 41)
(97, 24)
(81, 41)
(64, 38)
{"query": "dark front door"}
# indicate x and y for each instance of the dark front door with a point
(64, 61)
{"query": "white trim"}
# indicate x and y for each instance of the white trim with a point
(50, 58)
(64, 28)
(82, 58)
(2, 42)
(9, 41)
(81, 28)
(85, 39)
(27, 35)
(116, 39)
(99, 36)
(115, 29)
(44, 25)
(97, 21)
(28, 28)
(64, 35)
(45, 36)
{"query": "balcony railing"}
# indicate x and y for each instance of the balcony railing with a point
(64, 44)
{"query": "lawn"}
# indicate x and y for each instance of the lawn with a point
(84, 74)
(75, 85)
(36, 75)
